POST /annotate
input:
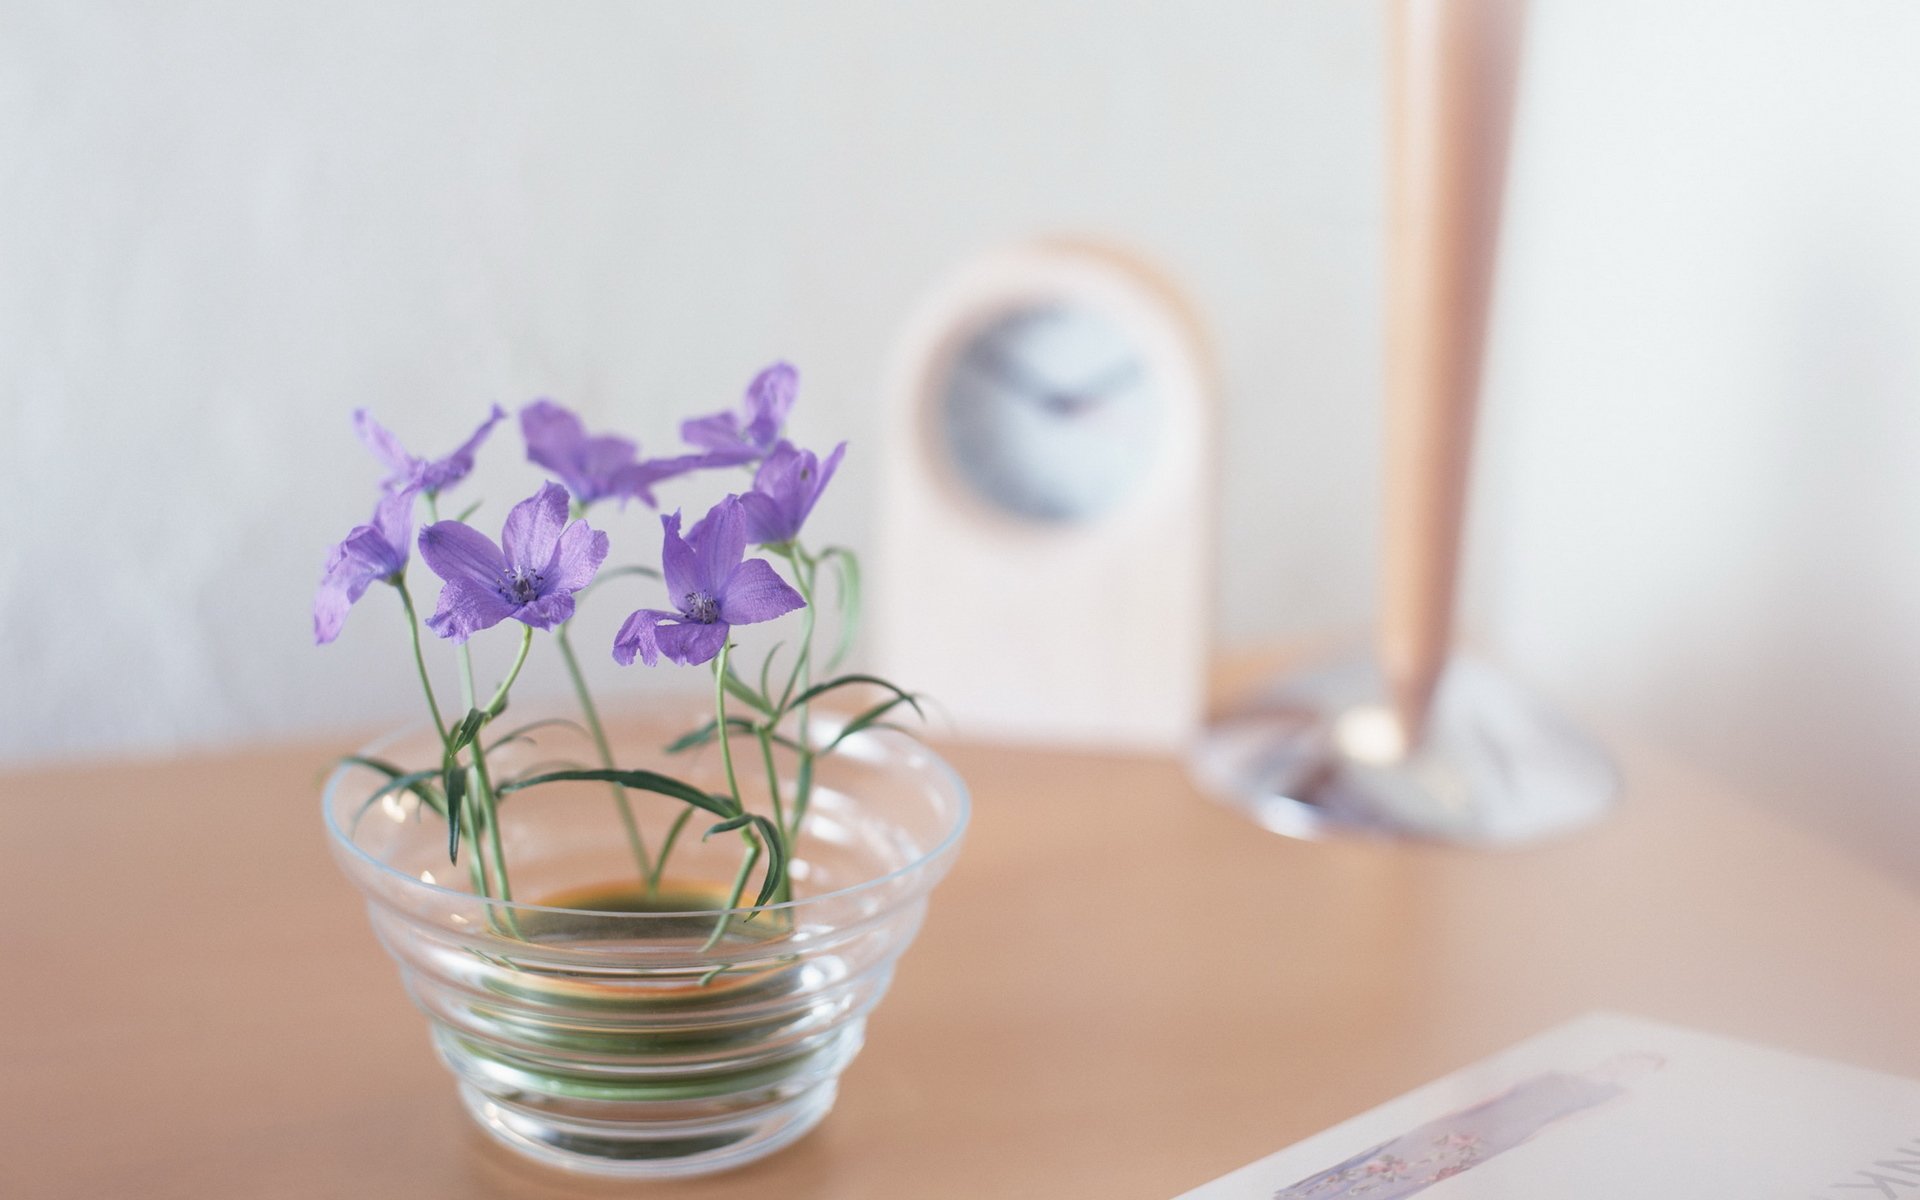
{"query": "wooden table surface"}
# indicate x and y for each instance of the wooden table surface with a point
(1122, 990)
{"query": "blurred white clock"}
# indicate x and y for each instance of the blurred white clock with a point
(1045, 568)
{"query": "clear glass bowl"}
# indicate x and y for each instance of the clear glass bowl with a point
(618, 1043)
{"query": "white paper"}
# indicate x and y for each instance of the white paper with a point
(1615, 1108)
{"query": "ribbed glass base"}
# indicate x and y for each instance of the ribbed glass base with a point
(657, 1150)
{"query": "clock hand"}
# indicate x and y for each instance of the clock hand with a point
(1114, 379)
(1032, 390)
(1069, 404)
(1092, 395)
(1013, 375)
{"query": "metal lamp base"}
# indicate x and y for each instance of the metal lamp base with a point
(1321, 755)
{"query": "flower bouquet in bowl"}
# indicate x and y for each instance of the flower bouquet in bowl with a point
(644, 960)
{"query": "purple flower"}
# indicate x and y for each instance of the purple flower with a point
(785, 489)
(376, 550)
(729, 438)
(593, 468)
(713, 588)
(431, 476)
(531, 575)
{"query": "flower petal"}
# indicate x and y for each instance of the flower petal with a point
(601, 461)
(576, 559)
(330, 605)
(352, 565)
(589, 466)
(719, 541)
(402, 467)
(547, 611)
(769, 399)
(443, 473)
(788, 484)
(757, 593)
(532, 532)
(393, 521)
(553, 436)
(767, 522)
(825, 477)
(636, 636)
(690, 643)
(457, 551)
(720, 434)
(679, 568)
(365, 553)
(637, 479)
(466, 607)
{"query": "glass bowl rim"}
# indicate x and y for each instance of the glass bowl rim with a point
(962, 817)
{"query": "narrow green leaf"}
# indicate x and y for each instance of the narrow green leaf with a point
(692, 737)
(521, 732)
(781, 739)
(666, 846)
(377, 764)
(738, 688)
(776, 859)
(456, 785)
(644, 781)
(868, 718)
(463, 734)
(847, 593)
(617, 572)
(705, 733)
(468, 511)
(728, 825)
(631, 569)
(418, 787)
(412, 781)
(545, 765)
(766, 665)
(802, 789)
(821, 689)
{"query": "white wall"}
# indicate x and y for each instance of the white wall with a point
(1702, 516)
(222, 227)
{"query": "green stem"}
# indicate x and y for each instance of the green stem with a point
(463, 653)
(803, 661)
(499, 701)
(720, 724)
(420, 660)
(486, 808)
(803, 576)
(666, 848)
(785, 891)
(773, 777)
(739, 888)
(474, 869)
(733, 789)
(483, 795)
(635, 842)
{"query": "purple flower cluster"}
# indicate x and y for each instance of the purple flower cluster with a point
(594, 468)
(374, 551)
(734, 439)
(714, 587)
(407, 471)
(785, 489)
(531, 575)
(544, 558)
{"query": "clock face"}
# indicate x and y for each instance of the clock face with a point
(1051, 413)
